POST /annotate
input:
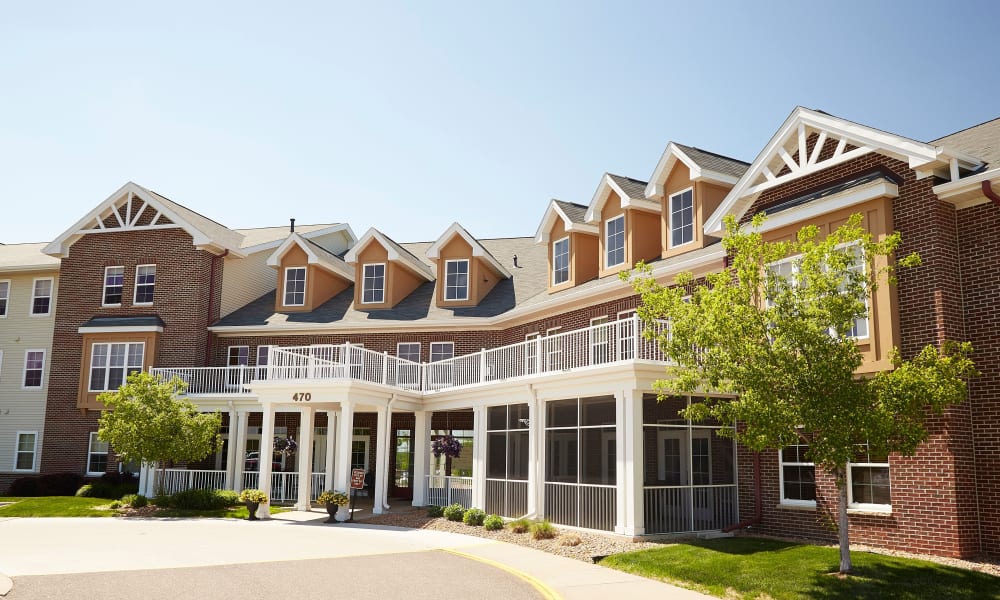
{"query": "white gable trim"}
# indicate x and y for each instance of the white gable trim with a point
(92, 222)
(478, 251)
(394, 255)
(670, 157)
(553, 212)
(603, 193)
(793, 131)
(332, 264)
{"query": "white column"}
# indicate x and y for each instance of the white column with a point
(147, 475)
(242, 417)
(536, 457)
(479, 456)
(265, 458)
(381, 459)
(331, 435)
(345, 433)
(305, 452)
(231, 449)
(629, 466)
(421, 455)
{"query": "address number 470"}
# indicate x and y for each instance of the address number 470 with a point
(302, 397)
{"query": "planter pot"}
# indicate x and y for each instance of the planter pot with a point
(252, 509)
(331, 509)
(343, 513)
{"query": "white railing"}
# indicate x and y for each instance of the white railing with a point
(445, 490)
(616, 341)
(679, 509)
(581, 505)
(285, 485)
(506, 497)
(178, 480)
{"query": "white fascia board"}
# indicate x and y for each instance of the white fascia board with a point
(716, 177)
(968, 191)
(642, 204)
(604, 189)
(336, 267)
(817, 208)
(29, 268)
(542, 234)
(140, 329)
(478, 251)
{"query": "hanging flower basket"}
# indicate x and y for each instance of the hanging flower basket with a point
(285, 446)
(446, 445)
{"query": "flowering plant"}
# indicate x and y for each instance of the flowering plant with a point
(286, 446)
(332, 497)
(253, 495)
(447, 445)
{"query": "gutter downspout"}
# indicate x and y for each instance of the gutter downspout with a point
(211, 299)
(989, 193)
(755, 519)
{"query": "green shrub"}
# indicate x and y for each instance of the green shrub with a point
(454, 512)
(493, 523)
(520, 526)
(435, 511)
(543, 530)
(229, 497)
(161, 500)
(85, 491)
(53, 484)
(135, 500)
(474, 517)
(116, 505)
(203, 499)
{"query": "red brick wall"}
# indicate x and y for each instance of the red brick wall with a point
(181, 300)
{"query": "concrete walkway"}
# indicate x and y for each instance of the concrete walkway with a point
(45, 547)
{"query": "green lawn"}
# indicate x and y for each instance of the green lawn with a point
(56, 506)
(761, 568)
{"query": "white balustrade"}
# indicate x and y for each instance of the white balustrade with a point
(581, 505)
(178, 480)
(506, 497)
(680, 509)
(445, 490)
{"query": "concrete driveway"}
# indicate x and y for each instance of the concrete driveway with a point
(292, 555)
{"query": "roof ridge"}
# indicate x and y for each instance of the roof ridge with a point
(716, 154)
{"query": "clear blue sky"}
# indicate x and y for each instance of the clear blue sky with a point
(413, 115)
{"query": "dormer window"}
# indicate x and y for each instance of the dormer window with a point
(373, 285)
(682, 218)
(560, 261)
(614, 241)
(295, 286)
(456, 280)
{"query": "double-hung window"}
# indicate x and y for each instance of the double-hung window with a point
(856, 268)
(442, 351)
(295, 286)
(373, 284)
(614, 241)
(868, 481)
(4, 297)
(97, 455)
(408, 351)
(112, 363)
(145, 282)
(560, 261)
(682, 218)
(24, 452)
(114, 282)
(441, 375)
(41, 297)
(408, 374)
(456, 279)
(34, 366)
(798, 476)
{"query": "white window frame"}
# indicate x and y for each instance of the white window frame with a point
(555, 254)
(440, 344)
(5, 298)
(863, 506)
(107, 364)
(867, 318)
(18, 452)
(531, 352)
(468, 280)
(104, 286)
(782, 463)
(24, 372)
(417, 344)
(364, 283)
(600, 338)
(135, 287)
(229, 356)
(284, 291)
(34, 291)
(670, 210)
(266, 351)
(90, 452)
(607, 241)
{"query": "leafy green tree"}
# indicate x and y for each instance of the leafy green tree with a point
(773, 333)
(147, 422)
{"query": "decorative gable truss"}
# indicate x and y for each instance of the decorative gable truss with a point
(810, 141)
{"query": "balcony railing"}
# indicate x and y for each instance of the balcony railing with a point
(607, 343)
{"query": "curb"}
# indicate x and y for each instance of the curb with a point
(547, 592)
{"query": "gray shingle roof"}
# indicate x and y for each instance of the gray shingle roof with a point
(633, 187)
(856, 181)
(981, 141)
(577, 213)
(150, 321)
(715, 162)
(218, 232)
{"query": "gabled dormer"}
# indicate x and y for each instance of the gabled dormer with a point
(628, 223)
(573, 248)
(308, 274)
(466, 271)
(384, 271)
(689, 184)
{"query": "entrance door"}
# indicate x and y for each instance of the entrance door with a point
(402, 480)
(359, 456)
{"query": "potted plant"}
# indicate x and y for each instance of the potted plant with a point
(253, 498)
(333, 501)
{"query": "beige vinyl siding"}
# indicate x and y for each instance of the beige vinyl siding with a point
(23, 410)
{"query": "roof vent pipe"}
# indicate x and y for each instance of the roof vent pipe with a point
(515, 262)
(291, 229)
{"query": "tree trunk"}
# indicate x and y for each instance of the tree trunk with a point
(842, 525)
